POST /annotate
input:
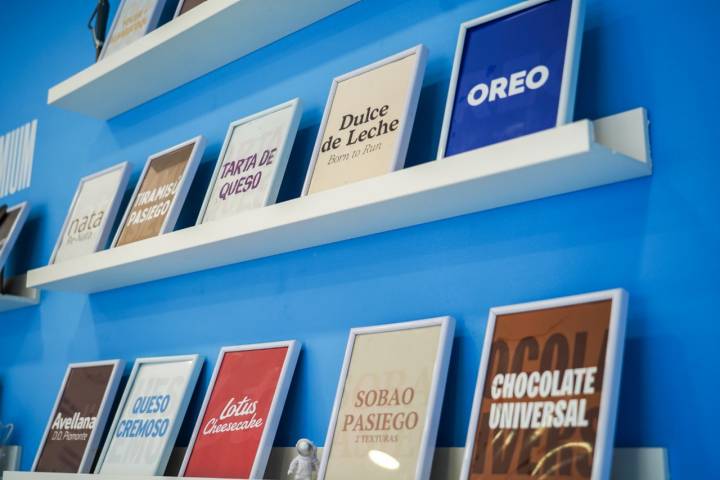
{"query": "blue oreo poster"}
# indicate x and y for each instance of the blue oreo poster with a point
(511, 78)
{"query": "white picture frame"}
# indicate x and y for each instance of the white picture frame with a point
(602, 457)
(278, 173)
(276, 409)
(435, 398)
(182, 189)
(408, 111)
(570, 64)
(108, 219)
(102, 416)
(152, 24)
(22, 210)
(187, 391)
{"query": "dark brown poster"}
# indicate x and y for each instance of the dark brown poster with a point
(74, 419)
(155, 195)
(541, 398)
(189, 4)
(6, 225)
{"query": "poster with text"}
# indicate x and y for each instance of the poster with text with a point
(252, 163)
(541, 397)
(511, 76)
(91, 214)
(132, 21)
(236, 415)
(77, 416)
(148, 419)
(155, 196)
(386, 405)
(367, 123)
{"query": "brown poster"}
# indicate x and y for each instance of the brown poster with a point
(6, 225)
(154, 198)
(74, 419)
(541, 397)
(188, 5)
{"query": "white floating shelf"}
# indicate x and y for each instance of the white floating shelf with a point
(205, 38)
(628, 464)
(18, 295)
(573, 157)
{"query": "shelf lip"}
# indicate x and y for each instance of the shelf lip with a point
(637, 463)
(14, 302)
(213, 34)
(552, 162)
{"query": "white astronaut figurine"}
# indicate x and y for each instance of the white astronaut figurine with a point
(303, 466)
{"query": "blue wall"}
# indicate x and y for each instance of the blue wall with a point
(657, 237)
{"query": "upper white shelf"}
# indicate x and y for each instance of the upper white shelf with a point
(18, 295)
(580, 155)
(197, 42)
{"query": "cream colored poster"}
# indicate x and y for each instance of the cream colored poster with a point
(89, 215)
(131, 23)
(250, 173)
(365, 125)
(384, 406)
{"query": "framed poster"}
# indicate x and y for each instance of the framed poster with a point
(149, 415)
(252, 162)
(367, 122)
(133, 20)
(514, 73)
(547, 390)
(387, 407)
(186, 5)
(10, 225)
(238, 419)
(92, 212)
(160, 192)
(78, 417)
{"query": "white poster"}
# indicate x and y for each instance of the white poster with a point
(133, 20)
(252, 163)
(149, 417)
(92, 213)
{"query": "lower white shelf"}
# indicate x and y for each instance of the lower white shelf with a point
(18, 295)
(572, 157)
(628, 464)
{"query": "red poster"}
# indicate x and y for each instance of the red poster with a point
(229, 435)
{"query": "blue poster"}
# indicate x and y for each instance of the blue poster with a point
(510, 77)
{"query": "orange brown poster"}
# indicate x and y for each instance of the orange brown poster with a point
(160, 193)
(548, 390)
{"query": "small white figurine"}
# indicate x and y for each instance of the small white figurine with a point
(304, 466)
